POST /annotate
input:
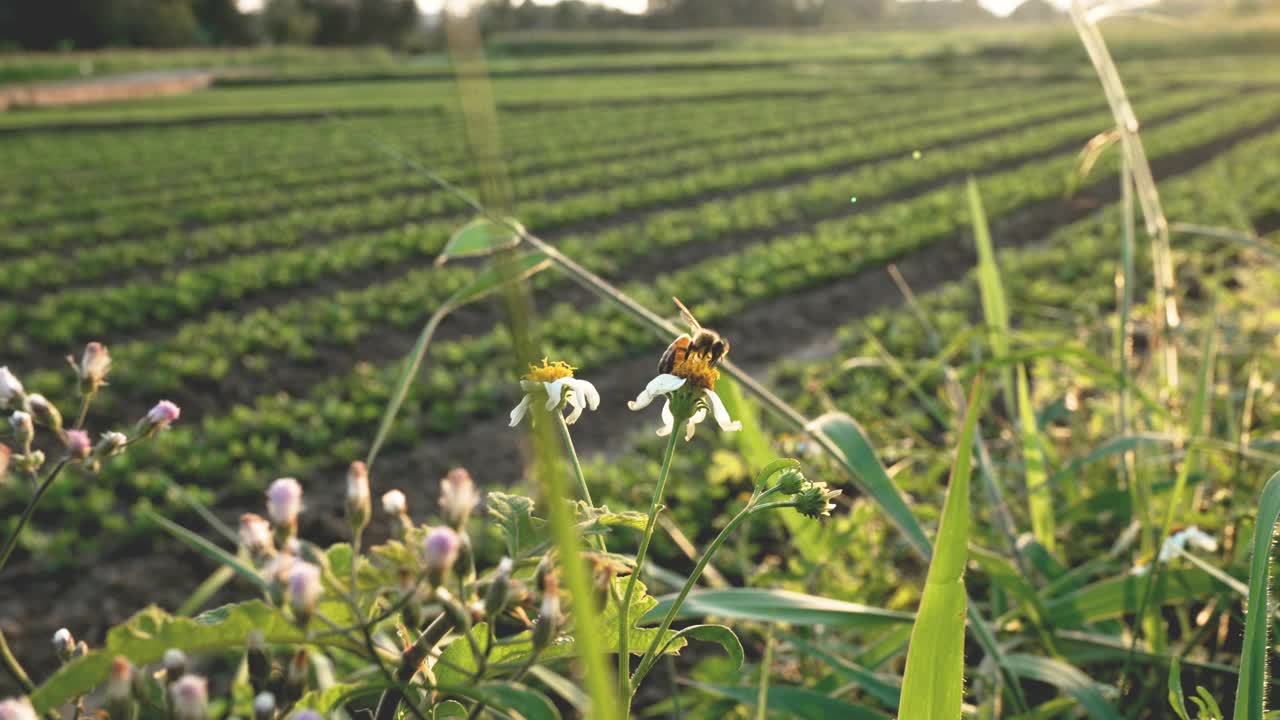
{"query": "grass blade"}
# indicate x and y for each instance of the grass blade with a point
(994, 307)
(933, 682)
(1039, 493)
(1251, 693)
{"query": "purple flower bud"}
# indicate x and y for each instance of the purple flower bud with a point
(10, 388)
(304, 588)
(45, 411)
(23, 428)
(17, 709)
(284, 502)
(64, 644)
(255, 533)
(190, 698)
(162, 415)
(95, 363)
(78, 444)
(441, 550)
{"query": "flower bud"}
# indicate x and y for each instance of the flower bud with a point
(458, 497)
(284, 502)
(175, 665)
(791, 482)
(45, 412)
(17, 709)
(393, 502)
(495, 599)
(23, 428)
(119, 694)
(255, 534)
(64, 644)
(304, 590)
(295, 678)
(94, 364)
(189, 697)
(30, 462)
(11, 391)
(814, 500)
(78, 445)
(109, 444)
(5, 455)
(544, 628)
(258, 660)
(264, 706)
(358, 509)
(440, 552)
(161, 416)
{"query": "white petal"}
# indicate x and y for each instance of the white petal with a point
(668, 420)
(660, 385)
(555, 393)
(576, 401)
(726, 423)
(589, 393)
(518, 412)
(692, 423)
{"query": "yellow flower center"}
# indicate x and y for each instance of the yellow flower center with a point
(547, 372)
(697, 370)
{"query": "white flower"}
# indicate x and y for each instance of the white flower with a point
(393, 502)
(10, 388)
(554, 383)
(665, 384)
(1179, 541)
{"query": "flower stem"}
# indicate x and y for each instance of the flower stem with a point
(651, 655)
(14, 668)
(12, 542)
(624, 624)
(567, 437)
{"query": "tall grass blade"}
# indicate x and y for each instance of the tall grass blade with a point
(994, 306)
(1069, 679)
(933, 683)
(1039, 493)
(1251, 693)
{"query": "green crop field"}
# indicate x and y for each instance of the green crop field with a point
(264, 254)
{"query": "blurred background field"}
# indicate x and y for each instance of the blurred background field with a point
(261, 253)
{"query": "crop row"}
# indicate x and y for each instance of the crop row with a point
(599, 145)
(285, 329)
(59, 318)
(397, 198)
(331, 421)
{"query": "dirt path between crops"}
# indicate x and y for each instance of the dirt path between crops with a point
(33, 605)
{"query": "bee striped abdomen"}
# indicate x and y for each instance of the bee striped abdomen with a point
(674, 353)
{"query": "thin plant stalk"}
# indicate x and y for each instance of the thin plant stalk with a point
(13, 667)
(583, 491)
(762, 698)
(12, 543)
(624, 608)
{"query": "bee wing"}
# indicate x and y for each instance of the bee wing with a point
(687, 316)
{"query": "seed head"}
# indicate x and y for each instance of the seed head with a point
(458, 497)
(94, 364)
(17, 709)
(284, 502)
(190, 695)
(78, 445)
(10, 388)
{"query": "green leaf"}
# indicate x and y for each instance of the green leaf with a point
(514, 514)
(1069, 679)
(871, 683)
(933, 682)
(995, 309)
(448, 709)
(335, 696)
(768, 471)
(1177, 700)
(1255, 654)
(457, 666)
(1116, 597)
(481, 236)
(519, 701)
(779, 606)
(719, 634)
(145, 637)
(207, 548)
(1039, 493)
(861, 460)
(795, 702)
(497, 274)
(1004, 574)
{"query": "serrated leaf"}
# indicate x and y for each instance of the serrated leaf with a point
(481, 236)
(514, 514)
(145, 637)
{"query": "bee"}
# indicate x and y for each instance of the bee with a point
(708, 343)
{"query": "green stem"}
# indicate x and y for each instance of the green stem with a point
(14, 668)
(12, 542)
(567, 437)
(651, 655)
(762, 698)
(624, 655)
